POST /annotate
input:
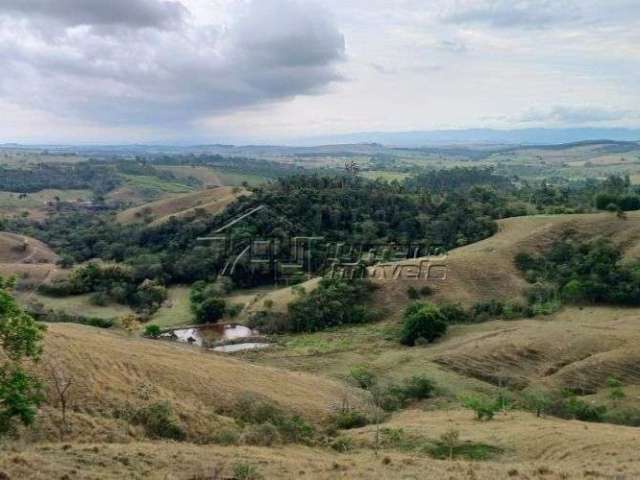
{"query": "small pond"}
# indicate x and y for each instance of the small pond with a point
(218, 337)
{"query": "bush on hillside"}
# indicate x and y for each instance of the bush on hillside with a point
(422, 322)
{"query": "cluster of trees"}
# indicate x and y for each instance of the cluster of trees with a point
(207, 301)
(583, 272)
(616, 193)
(458, 178)
(111, 282)
(334, 207)
(85, 175)
(333, 303)
(241, 165)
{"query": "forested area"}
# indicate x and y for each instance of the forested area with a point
(583, 272)
(99, 178)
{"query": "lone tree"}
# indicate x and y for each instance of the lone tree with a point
(20, 336)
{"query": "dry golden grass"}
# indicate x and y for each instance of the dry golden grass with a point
(212, 201)
(29, 260)
(566, 446)
(16, 248)
(534, 449)
(575, 348)
(113, 367)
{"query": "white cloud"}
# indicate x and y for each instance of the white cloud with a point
(576, 115)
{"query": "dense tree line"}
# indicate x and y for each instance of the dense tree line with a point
(583, 272)
(59, 176)
(458, 178)
(241, 165)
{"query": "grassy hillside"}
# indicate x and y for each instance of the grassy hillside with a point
(212, 201)
(20, 249)
(485, 270)
(31, 261)
(113, 368)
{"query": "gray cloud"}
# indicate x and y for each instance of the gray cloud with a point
(274, 50)
(136, 13)
(513, 13)
(576, 115)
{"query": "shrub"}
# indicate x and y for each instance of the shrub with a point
(245, 471)
(417, 387)
(412, 293)
(537, 401)
(485, 408)
(226, 437)
(99, 299)
(363, 377)
(615, 389)
(152, 331)
(269, 322)
(342, 444)
(422, 321)
(350, 419)
(584, 411)
(158, 421)
(255, 411)
(426, 291)
(234, 310)
(454, 313)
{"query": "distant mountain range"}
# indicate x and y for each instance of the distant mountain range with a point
(369, 142)
(477, 136)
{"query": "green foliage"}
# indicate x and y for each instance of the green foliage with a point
(20, 337)
(581, 410)
(468, 451)
(363, 377)
(59, 316)
(538, 401)
(350, 419)
(20, 396)
(454, 313)
(206, 302)
(615, 389)
(111, 283)
(342, 444)
(448, 445)
(612, 201)
(412, 293)
(581, 272)
(335, 302)
(422, 322)
(152, 331)
(245, 471)
(255, 411)
(417, 387)
(159, 422)
(485, 408)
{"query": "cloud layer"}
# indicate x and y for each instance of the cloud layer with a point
(145, 62)
(132, 13)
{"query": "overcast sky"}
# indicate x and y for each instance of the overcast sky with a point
(271, 70)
